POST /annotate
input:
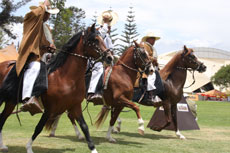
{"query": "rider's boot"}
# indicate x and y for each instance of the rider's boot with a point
(32, 105)
(96, 98)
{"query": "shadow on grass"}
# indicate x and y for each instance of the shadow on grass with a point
(20, 149)
(148, 136)
(100, 140)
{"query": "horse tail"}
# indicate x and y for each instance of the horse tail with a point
(102, 115)
(50, 123)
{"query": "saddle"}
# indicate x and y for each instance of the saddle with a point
(12, 85)
(101, 85)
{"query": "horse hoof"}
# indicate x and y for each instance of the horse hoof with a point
(115, 131)
(182, 138)
(4, 149)
(94, 151)
(112, 140)
(141, 132)
(80, 137)
(52, 135)
(118, 129)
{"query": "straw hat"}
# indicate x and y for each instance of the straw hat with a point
(150, 35)
(108, 14)
(49, 8)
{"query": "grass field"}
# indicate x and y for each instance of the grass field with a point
(213, 136)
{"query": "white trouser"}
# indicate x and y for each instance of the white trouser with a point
(151, 81)
(96, 74)
(30, 76)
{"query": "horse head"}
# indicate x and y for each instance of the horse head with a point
(142, 59)
(191, 61)
(94, 46)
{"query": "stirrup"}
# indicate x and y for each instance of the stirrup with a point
(32, 105)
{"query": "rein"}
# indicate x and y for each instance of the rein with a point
(123, 64)
(136, 54)
(90, 44)
(190, 70)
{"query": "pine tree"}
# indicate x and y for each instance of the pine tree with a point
(3, 40)
(6, 17)
(66, 23)
(94, 19)
(130, 33)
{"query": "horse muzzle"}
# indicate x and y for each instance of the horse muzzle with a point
(201, 68)
(150, 69)
(108, 57)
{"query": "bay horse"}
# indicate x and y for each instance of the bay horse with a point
(120, 87)
(174, 75)
(66, 87)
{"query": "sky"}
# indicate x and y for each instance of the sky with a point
(194, 23)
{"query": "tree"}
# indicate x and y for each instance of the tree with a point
(130, 33)
(66, 23)
(3, 40)
(6, 17)
(222, 77)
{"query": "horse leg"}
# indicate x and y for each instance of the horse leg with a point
(167, 111)
(114, 115)
(134, 107)
(8, 109)
(72, 120)
(118, 127)
(38, 129)
(85, 130)
(54, 127)
(174, 119)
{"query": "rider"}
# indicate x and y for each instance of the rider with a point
(36, 40)
(155, 86)
(106, 20)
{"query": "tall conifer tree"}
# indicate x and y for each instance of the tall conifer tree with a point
(130, 33)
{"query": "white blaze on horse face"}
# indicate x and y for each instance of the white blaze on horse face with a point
(151, 68)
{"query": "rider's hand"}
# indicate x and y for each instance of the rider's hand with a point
(53, 46)
(47, 3)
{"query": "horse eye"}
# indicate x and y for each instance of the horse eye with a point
(96, 41)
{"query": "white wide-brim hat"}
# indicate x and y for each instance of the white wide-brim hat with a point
(109, 14)
(150, 35)
(49, 9)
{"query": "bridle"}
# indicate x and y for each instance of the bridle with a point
(87, 42)
(192, 61)
(137, 55)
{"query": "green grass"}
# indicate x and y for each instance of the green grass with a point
(214, 136)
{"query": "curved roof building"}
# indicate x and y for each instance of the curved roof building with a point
(211, 57)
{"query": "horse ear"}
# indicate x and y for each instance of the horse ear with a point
(92, 29)
(185, 50)
(136, 44)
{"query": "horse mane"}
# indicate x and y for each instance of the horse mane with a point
(170, 66)
(124, 53)
(60, 58)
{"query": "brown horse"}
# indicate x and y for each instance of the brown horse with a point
(120, 87)
(66, 87)
(174, 75)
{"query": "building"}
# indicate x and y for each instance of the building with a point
(211, 57)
